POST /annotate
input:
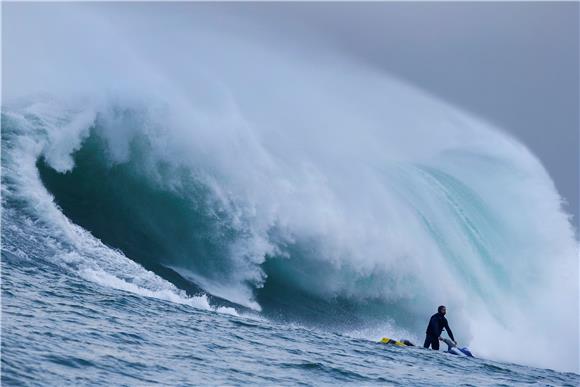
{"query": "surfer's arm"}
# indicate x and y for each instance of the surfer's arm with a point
(449, 330)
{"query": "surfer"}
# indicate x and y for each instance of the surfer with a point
(437, 323)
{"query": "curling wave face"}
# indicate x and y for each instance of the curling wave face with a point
(329, 195)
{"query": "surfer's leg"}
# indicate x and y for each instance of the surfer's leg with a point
(435, 343)
(431, 341)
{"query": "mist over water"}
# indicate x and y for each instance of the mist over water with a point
(180, 152)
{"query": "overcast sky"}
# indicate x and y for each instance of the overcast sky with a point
(513, 64)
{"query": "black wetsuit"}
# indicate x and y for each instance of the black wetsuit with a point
(434, 329)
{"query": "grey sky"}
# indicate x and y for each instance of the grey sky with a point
(513, 64)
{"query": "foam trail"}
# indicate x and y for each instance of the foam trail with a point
(320, 177)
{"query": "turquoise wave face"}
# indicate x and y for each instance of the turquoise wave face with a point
(179, 231)
(157, 227)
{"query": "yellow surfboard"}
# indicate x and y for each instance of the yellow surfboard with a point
(386, 340)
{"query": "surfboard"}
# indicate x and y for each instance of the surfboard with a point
(386, 340)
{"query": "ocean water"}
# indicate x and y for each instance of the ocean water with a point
(59, 329)
(240, 209)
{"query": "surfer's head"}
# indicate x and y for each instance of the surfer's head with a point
(442, 309)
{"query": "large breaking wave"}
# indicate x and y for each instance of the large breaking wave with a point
(310, 189)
